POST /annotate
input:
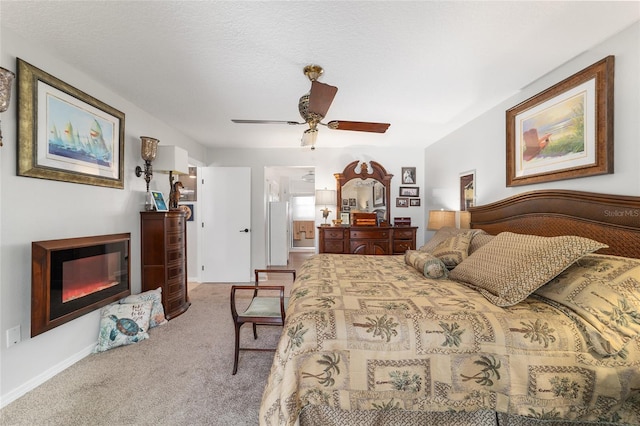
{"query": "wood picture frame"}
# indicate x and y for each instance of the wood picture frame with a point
(467, 190)
(65, 134)
(409, 191)
(408, 176)
(414, 202)
(565, 131)
(402, 202)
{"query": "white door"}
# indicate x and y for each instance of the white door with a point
(226, 222)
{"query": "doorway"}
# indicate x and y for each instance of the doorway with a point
(295, 188)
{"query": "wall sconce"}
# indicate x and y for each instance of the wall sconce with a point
(148, 150)
(6, 80)
(326, 197)
(440, 219)
(173, 160)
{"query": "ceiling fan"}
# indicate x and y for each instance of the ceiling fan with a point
(313, 107)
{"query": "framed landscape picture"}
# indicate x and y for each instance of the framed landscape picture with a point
(66, 134)
(565, 131)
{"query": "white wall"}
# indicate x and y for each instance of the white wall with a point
(38, 209)
(481, 144)
(326, 162)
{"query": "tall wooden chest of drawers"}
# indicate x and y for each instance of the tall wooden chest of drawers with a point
(164, 258)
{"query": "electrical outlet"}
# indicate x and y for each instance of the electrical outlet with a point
(13, 336)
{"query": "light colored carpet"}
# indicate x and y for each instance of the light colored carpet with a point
(180, 376)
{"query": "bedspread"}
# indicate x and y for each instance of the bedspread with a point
(372, 333)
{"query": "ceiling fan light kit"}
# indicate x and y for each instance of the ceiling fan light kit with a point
(313, 108)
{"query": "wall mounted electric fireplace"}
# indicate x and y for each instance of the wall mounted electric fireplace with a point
(74, 276)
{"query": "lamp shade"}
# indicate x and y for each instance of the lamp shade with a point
(171, 159)
(465, 220)
(326, 197)
(441, 218)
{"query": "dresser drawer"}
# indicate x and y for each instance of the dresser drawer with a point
(333, 234)
(399, 247)
(175, 239)
(175, 287)
(174, 256)
(403, 234)
(176, 302)
(175, 271)
(333, 246)
(369, 234)
(175, 223)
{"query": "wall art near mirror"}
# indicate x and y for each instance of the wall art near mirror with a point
(65, 134)
(467, 190)
(565, 131)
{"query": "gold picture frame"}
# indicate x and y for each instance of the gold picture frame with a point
(65, 134)
(565, 131)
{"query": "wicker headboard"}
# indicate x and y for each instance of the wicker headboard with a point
(610, 219)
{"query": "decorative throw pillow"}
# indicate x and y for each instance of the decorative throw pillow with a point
(511, 266)
(157, 310)
(123, 324)
(441, 235)
(478, 240)
(602, 294)
(425, 263)
(454, 249)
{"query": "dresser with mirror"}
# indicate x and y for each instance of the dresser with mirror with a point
(364, 226)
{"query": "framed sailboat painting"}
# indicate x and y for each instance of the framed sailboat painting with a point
(65, 134)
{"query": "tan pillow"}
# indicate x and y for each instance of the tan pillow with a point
(602, 293)
(478, 240)
(454, 249)
(511, 266)
(425, 263)
(440, 235)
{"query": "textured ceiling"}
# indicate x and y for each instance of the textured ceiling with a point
(424, 67)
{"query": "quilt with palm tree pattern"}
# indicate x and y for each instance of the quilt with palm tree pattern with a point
(370, 334)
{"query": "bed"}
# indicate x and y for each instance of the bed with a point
(538, 322)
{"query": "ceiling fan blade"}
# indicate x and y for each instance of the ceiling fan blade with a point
(358, 126)
(320, 97)
(265, 122)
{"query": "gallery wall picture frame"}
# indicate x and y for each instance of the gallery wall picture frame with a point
(409, 191)
(402, 202)
(188, 211)
(564, 132)
(65, 134)
(409, 176)
(467, 190)
(414, 202)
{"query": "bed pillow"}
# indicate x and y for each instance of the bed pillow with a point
(122, 324)
(425, 263)
(157, 310)
(454, 249)
(444, 233)
(511, 266)
(478, 240)
(604, 292)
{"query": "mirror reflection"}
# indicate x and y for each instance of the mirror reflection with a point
(364, 196)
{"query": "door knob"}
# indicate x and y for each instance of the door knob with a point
(244, 230)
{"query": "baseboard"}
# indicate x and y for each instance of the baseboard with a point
(46, 375)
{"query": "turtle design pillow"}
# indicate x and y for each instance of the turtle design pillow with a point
(157, 310)
(123, 324)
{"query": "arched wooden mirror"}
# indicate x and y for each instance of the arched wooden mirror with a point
(362, 190)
